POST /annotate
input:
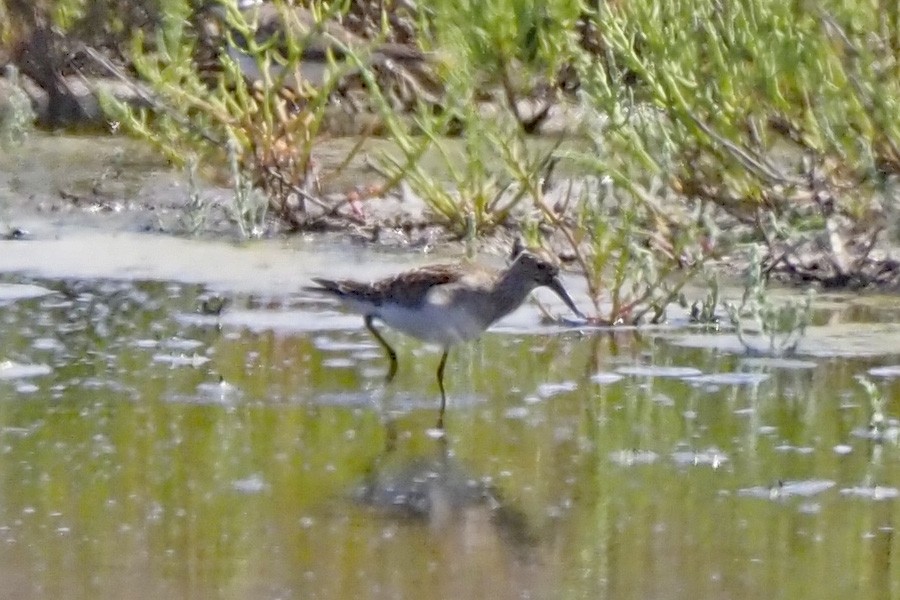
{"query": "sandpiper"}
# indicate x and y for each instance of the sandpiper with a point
(445, 304)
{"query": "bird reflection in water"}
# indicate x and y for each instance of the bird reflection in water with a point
(475, 536)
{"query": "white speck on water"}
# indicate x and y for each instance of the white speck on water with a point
(795, 449)
(516, 412)
(888, 371)
(772, 362)
(220, 392)
(250, 485)
(372, 372)
(548, 390)
(364, 355)
(872, 492)
(13, 370)
(888, 432)
(182, 344)
(338, 363)
(711, 457)
(48, 344)
(786, 489)
(652, 371)
(21, 291)
(809, 508)
(721, 379)
(181, 360)
(663, 400)
(435, 433)
(628, 458)
(843, 449)
(605, 378)
(327, 343)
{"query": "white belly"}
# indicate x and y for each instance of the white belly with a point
(434, 323)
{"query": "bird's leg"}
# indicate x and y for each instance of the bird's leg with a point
(440, 378)
(390, 351)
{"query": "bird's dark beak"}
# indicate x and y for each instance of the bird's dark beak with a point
(557, 287)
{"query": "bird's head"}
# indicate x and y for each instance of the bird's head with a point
(543, 271)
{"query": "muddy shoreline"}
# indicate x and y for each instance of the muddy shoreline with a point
(96, 187)
(114, 184)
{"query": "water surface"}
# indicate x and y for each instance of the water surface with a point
(149, 450)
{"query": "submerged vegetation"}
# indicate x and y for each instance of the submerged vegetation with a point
(779, 326)
(691, 131)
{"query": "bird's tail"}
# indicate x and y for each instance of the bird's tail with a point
(352, 295)
(325, 286)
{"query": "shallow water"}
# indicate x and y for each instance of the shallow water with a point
(150, 450)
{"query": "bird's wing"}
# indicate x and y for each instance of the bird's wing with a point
(412, 287)
(409, 287)
(434, 283)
